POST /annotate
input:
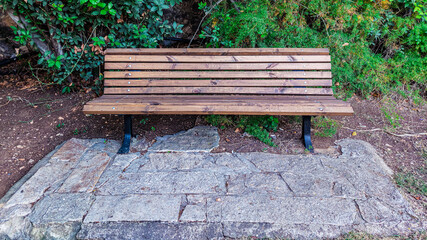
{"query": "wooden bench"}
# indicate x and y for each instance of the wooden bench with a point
(229, 81)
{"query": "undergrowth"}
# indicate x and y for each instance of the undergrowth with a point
(325, 127)
(377, 47)
(257, 126)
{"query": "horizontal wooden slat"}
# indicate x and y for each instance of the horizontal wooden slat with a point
(217, 66)
(271, 109)
(217, 74)
(218, 83)
(214, 98)
(222, 102)
(217, 59)
(216, 104)
(219, 97)
(218, 51)
(219, 90)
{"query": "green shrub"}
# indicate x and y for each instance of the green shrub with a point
(377, 47)
(72, 35)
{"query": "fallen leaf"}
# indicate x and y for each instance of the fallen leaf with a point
(345, 44)
(354, 133)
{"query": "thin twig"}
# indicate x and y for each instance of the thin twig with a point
(8, 101)
(235, 5)
(407, 135)
(364, 130)
(388, 132)
(201, 21)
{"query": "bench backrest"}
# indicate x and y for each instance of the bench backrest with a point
(275, 71)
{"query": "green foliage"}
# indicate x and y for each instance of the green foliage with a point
(377, 47)
(72, 35)
(220, 121)
(144, 121)
(325, 127)
(411, 183)
(390, 113)
(257, 126)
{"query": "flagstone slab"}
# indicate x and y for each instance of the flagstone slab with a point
(134, 208)
(197, 139)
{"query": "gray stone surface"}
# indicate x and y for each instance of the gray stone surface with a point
(150, 230)
(86, 191)
(194, 213)
(61, 208)
(197, 139)
(134, 208)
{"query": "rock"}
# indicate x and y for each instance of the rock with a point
(134, 208)
(66, 231)
(194, 213)
(139, 144)
(163, 183)
(61, 208)
(197, 139)
(150, 230)
(282, 210)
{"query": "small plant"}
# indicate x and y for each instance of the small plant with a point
(259, 127)
(143, 121)
(389, 110)
(76, 131)
(60, 125)
(325, 127)
(260, 133)
(153, 129)
(220, 121)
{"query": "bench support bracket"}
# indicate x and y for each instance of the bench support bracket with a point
(306, 133)
(128, 135)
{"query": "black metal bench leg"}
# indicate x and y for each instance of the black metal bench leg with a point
(306, 133)
(128, 135)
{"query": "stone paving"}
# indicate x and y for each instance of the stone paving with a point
(177, 189)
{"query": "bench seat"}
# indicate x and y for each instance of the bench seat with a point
(229, 81)
(218, 104)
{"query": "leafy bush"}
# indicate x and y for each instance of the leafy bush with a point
(71, 35)
(377, 47)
